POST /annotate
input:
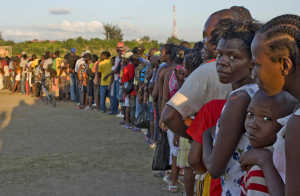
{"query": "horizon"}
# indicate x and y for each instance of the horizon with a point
(63, 20)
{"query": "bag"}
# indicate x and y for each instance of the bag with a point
(138, 70)
(162, 154)
(129, 86)
(141, 120)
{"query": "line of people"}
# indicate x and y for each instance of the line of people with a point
(223, 114)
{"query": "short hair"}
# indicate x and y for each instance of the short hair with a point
(57, 53)
(34, 55)
(113, 58)
(134, 50)
(286, 100)
(186, 44)
(134, 57)
(198, 45)
(24, 56)
(169, 49)
(106, 53)
(241, 29)
(95, 56)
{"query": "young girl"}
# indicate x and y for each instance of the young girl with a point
(54, 84)
(28, 74)
(169, 89)
(234, 65)
(275, 51)
(17, 71)
(261, 128)
(63, 79)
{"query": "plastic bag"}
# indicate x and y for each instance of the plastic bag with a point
(141, 120)
(162, 154)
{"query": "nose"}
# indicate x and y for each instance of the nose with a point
(253, 124)
(221, 60)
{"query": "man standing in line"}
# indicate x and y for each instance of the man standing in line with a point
(79, 63)
(47, 62)
(23, 63)
(71, 63)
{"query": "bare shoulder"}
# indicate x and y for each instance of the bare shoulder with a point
(239, 99)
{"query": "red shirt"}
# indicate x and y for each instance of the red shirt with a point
(128, 73)
(4, 63)
(206, 118)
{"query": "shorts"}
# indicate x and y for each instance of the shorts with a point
(84, 88)
(126, 102)
(96, 90)
(150, 116)
(91, 88)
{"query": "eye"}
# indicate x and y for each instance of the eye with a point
(232, 57)
(249, 114)
(267, 118)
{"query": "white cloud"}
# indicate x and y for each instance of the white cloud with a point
(10, 33)
(127, 26)
(127, 17)
(80, 27)
(60, 10)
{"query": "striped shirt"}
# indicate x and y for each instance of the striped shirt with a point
(253, 183)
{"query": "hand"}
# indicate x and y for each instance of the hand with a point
(140, 99)
(255, 156)
(108, 87)
(140, 92)
(163, 126)
(176, 141)
(73, 71)
(180, 74)
(105, 78)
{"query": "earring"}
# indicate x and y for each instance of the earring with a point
(252, 75)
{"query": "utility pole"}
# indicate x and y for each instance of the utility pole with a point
(175, 30)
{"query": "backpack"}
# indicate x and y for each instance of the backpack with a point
(138, 70)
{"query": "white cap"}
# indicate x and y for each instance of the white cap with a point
(23, 52)
(87, 52)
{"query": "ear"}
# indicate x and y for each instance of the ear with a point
(286, 65)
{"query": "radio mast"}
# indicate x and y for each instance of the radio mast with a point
(175, 34)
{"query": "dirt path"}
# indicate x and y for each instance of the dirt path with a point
(66, 151)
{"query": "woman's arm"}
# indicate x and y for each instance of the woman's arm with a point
(231, 129)
(156, 87)
(79, 75)
(292, 153)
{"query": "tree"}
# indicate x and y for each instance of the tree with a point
(174, 40)
(113, 32)
(1, 38)
(146, 38)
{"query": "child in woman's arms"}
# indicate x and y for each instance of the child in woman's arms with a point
(261, 126)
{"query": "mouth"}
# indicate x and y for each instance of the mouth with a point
(250, 136)
(222, 74)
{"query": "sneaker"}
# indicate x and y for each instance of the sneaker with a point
(136, 129)
(148, 141)
(78, 104)
(127, 127)
(94, 105)
(120, 115)
(87, 108)
(144, 130)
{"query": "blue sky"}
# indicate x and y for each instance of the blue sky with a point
(39, 19)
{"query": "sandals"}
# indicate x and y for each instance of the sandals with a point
(122, 123)
(169, 188)
(167, 180)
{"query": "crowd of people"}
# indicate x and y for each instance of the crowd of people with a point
(226, 110)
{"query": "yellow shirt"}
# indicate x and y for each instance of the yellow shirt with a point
(35, 63)
(105, 68)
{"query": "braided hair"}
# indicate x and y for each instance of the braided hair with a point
(193, 59)
(241, 29)
(180, 53)
(282, 35)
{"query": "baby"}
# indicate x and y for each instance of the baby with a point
(261, 128)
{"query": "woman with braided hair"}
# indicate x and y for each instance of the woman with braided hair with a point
(276, 54)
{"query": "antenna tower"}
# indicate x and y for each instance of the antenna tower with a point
(175, 34)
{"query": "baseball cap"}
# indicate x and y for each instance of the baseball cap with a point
(140, 49)
(120, 44)
(54, 55)
(86, 52)
(127, 54)
(23, 52)
(73, 50)
(19, 55)
(242, 11)
(124, 49)
(82, 54)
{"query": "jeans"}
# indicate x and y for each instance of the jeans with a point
(72, 86)
(138, 107)
(114, 98)
(22, 84)
(132, 107)
(103, 89)
(77, 91)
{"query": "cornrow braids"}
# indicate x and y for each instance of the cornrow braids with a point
(282, 35)
(193, 59)
(228, 28)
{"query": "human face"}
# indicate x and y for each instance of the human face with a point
(268, 73)
(112, 61)
(164, 56)
(233, 61)
(261, 122)
(102, 57)
(208, 51)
